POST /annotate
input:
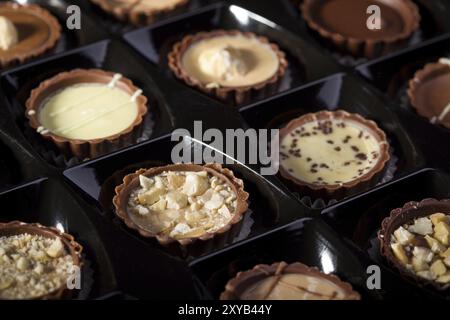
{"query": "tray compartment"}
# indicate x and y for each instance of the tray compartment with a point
(433, 23)
(308, 241)
(270, 207)
(305, 62)
(108, 55)
(359, 220)
(50, 204)
(337, 92)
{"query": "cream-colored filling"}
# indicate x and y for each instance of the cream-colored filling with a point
(32, 266)
(182, 204)
(230, 61)
(293, 287)
(8, 34)
(329, 152)
(88, 111)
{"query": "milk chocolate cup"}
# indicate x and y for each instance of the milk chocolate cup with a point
(192, 245)
(243, 280)
(335, 191)
(236, 95)
(37, 19)
(127, 11)
(408, 20)
(85, 148)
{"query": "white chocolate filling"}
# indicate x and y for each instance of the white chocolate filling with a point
(182, 204)
(230, 61)
(8, 34)
(329, 152)
(88, 111)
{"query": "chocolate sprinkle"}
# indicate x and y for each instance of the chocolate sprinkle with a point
(361, 156)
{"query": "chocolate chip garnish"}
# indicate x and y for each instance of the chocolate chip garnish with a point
(306, 134)
(330, 142)
(355, 148)
(324, 165)
(361, 156)
(308, 159)
(337, 148)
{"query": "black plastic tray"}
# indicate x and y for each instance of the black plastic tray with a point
(38, 185)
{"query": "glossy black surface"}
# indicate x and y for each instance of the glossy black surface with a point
(305, 62)
(359, 220)
(434, 22)
(338, 92)
(70, 39)
(9, 169)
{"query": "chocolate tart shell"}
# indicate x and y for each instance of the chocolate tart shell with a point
(430, 71)
(236, 95)
(368, 48)
(85, 148)
(410, 211)
(195, 245)
(74, 248)
(336, 191)
(138, 17)
(44, 15)
(236, 286)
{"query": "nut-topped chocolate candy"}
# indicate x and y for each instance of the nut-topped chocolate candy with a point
(330, 151)
(282, 281)
(416, 240)
(182, 202)
(36, 261)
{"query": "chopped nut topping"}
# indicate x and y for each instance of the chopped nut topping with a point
(32, 266)
(182, 203)
(422, 246)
